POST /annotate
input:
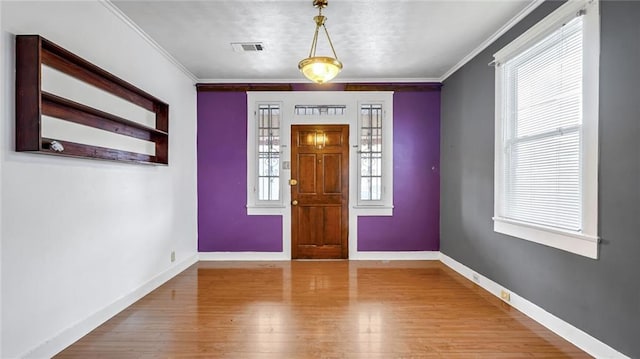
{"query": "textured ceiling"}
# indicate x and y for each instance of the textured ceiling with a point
(377, 40)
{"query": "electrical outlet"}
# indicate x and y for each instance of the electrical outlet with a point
(476, 277)
(506, 296)
(173, 256)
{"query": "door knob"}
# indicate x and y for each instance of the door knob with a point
(294, 202)
(293, 182)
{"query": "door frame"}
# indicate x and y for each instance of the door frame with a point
(288, 100)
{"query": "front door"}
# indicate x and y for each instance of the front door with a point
(319, 199)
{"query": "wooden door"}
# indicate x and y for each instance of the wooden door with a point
(319, 199)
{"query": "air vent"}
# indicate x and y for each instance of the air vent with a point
(247, 46)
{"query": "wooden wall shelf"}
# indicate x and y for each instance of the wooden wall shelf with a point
(34, 51)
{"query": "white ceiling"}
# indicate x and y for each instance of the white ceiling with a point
(377, 40)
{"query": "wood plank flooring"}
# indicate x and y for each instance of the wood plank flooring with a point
(320, 309)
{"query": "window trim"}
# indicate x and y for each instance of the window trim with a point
(584, 243)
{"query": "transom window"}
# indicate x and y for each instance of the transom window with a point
(320, 110)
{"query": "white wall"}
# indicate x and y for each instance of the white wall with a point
(80, 238)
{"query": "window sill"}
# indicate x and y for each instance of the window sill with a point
(578, 243)
(373, 211)
(274, 210)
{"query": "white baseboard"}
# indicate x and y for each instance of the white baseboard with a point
(70, 335)
(243, 256)
(567, 331)
(396, 256)
(280, 256)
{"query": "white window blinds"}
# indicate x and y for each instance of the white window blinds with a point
(542, 131)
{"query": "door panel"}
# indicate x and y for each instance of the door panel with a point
(332, 225)
(333, 139)
(320, 164)
(331, 179)
(307, 170)
(306, 139)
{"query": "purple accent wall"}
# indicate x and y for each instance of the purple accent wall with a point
(416, 179)
(223, 223)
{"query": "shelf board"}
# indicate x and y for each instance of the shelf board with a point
(74, 149)
(60, 107)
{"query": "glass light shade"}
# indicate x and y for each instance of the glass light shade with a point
(320, 69)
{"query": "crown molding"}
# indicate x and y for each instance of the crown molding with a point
(118, 13)
(252, 81)
(506, 27)
(333, 86)
(242, 87)
(302, 80)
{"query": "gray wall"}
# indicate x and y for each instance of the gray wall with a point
(601, 297)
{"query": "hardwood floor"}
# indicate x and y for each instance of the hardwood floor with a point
(320, 309)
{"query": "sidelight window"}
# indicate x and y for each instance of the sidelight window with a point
(370, 153)
(269, 152)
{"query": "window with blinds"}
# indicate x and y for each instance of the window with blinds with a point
(546, 157)
(543, 89)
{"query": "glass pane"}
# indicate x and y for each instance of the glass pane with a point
(377, 119)
(263, 165)
(365, 188)
(274, 167)
(376, 188)
(366, 119)
(376, 140)
(365, 140)
(376, 165)
(275, 119)
(263, 192)
(274, 137)
(263, 119)
(274, 188)
(365, 165)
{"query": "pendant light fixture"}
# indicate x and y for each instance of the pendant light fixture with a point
(320, 69)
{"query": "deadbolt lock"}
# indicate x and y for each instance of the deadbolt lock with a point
(293, 182)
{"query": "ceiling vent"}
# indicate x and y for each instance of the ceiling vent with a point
(247, 46)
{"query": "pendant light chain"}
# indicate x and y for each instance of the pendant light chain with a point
(314, 43)
(330, 43)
